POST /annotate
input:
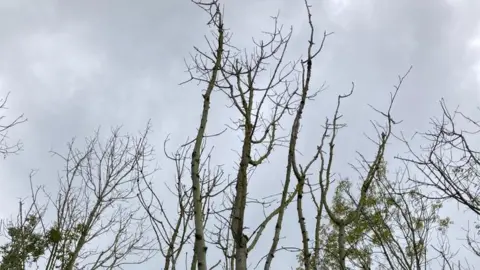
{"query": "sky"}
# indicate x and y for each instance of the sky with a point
(72, 66)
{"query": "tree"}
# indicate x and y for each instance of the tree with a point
(111, 208)
(25, 245)
(449, 164)
(238, 76)
(403, 224)
(6, 147)
(93, 203)
(216, 204)
(347, 227)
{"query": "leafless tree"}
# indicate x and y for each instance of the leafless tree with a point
(237, 75)
(262, 109)
(305, 94)
(6, 147)
(450, 164)
(403, 224)
(174, 232)
(96, 221)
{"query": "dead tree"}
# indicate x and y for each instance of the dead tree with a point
(262, 89)
(95, 199)
(238, 76)
(174, 232)
(209, 75)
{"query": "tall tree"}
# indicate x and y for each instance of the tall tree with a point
(263, 89)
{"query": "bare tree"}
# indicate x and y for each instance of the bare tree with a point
(403, 224)
(226, 69)
(96, 224)
(237, 75)
(6, 147)
(325, 174)
(171, 234)
(262, 109)
(300, 173)
(108, 190)
(209, 75)
(174, 233)
(450, 164)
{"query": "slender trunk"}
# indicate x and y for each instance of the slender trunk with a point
(71, 261)
(318, 224)
(303, 226)
(278, 226)
(83, 237)
(299, 175)
(290, 164)
(193, 264)
(341, 247)
(238, 212)
(171, 248)
(51, 259)
(200, 248)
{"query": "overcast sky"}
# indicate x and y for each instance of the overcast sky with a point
(74, 65)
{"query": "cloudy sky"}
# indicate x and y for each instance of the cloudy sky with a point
(74, 65)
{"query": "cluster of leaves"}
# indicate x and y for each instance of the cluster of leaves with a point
(395, 224)
(358, 235)
(27, 244)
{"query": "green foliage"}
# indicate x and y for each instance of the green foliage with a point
(357, 234)
(25, 246)
(65, 242)
(54, 235)
(390, 216)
